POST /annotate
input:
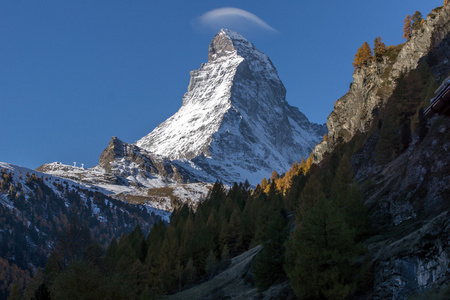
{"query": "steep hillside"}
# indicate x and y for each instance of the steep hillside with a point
(130, 173)
(374, 82)
(38, 212)
(408, 199)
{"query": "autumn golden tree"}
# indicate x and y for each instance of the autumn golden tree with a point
(417, 20)
(407, 29)
(364, 53)
(379, 49)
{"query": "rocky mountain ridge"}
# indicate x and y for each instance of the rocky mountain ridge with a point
(407, 194)
(374, 82)
(235, 122)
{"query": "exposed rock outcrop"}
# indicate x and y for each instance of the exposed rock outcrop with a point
(374, 82)
(124, 159)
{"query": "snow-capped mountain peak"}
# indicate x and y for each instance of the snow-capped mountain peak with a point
(234, 120)
(234, 124)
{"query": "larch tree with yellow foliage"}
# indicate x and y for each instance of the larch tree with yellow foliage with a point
(364, 54)
(407, 28)
(379, 49)
(417, 20)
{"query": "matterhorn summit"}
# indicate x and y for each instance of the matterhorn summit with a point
(234, 125)
(234, 122)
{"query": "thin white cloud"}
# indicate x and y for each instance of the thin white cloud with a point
(228, 17)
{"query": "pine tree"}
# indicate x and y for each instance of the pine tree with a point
(225, 253)
(407, 28)
(417, 20)
(320, 255)
(347, 196)
(309, 162)
(33, 286)
(42, 293)
(364, 54)
(190, 272)
(312, 192)
(233, 238)
(210, 263)
(342, 181)
(15, 293)
(379, 49)
(268, 267)
(138, 243)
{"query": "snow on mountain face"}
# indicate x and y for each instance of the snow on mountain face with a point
(130, 173)
(235, 123)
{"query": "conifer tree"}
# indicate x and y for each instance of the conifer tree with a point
(233, 238)
(293, 193)
(342, 181)
(268, 267)
(407, 28)
(138, 243)
(42, 293)
(312, 192)
(190, 271)
(347, 196)
(417, 20)
(225, 253)
(15, 293)
(309, 162)
(379, 49)
(210, 263)
(364, 54)
(320, 254)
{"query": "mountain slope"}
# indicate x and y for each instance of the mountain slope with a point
(130, 173)
(234, 122)
(38, 211)
(374, 82)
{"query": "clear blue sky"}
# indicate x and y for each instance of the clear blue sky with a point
(75, 73)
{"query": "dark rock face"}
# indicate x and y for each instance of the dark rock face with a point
(220, 46)
(415, 263)
(124, 160)
(409, 201)
(115, 150)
